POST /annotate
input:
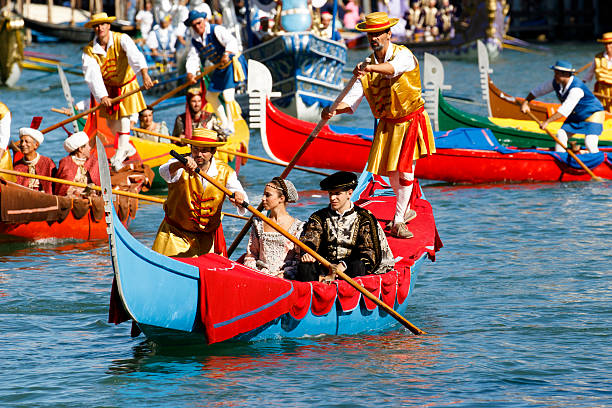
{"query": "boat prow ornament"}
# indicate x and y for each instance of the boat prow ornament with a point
(259, 87)
(433, 83)
(485, 71)
(295, 16)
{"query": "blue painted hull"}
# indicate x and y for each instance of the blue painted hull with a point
(303, 66)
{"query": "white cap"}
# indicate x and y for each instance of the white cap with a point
(75, 141)
(33, 133)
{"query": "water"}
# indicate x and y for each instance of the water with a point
(517, 304)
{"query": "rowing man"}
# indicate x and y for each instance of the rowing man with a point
(110, 64)
(391, 84)
(582, 111)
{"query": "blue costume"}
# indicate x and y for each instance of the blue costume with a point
(224, 77)
(587, 106)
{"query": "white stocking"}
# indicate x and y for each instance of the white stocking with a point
(228, 96)
(562, 136)
(213, 99)
(590, 142)
(402, 184)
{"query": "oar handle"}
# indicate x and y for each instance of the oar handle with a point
(297, 156)
(307, 249)
(569, 151)
(91, 110)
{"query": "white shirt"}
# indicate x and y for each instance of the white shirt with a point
(573, 97)
(404, 61)
(233, 184)
(146, 22)
(5, 130)
(224, 36)
(91, 69)
(591, 71)
(166, 36)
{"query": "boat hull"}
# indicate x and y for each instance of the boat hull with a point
(283, 135)
(450, 118)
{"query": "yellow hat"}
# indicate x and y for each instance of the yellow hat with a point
(377, 21)
(606, 38)
(203, 137)
(99, 18)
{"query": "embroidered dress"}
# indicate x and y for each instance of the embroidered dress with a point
(272, 253)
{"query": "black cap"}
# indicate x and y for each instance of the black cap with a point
(342, 180)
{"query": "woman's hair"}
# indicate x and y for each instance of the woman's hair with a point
(145, 109)
(286, 188)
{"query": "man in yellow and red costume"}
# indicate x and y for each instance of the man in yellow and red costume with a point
(602, 70)
(192, 225)
(110, 64)
(391, 83)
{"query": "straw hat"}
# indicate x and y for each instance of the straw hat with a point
(606, 38)
(99, 18)
(205, 138)
(377, 21)
(564, 66)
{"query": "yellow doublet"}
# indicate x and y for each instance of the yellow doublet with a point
(603, 76)
(395, 99)
(117, 73)
(6, 163)
(193, 214)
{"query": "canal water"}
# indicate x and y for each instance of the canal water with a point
(518, 304)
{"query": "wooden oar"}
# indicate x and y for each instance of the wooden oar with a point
(297, 156)
(307, 249)
(91, 110)
(583, 68)
(240, 154)
(97, 188)
(569, 151)
(522, 49)
(178, 89)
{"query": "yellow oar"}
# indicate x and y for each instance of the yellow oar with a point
(522, 49)
(240, 154)
(97, 188)
(307, 249)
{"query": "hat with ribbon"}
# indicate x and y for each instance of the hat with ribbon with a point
(203, 137)
(375, 22)
(606, 38)
(75, 141)
(33, 133)
(564, 66)
(194, 15)
(99, 18)
(341, 180)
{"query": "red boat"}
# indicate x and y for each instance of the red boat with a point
(32, 215)
(462, 156)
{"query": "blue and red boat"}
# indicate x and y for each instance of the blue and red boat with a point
(211, 299)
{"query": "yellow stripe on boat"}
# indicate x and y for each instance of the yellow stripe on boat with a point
(531, 126)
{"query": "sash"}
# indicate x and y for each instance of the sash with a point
(419, 121)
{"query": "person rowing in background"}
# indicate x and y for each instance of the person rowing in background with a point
(215, 43)
(583, 112)
(601, 69)
(110, 64)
